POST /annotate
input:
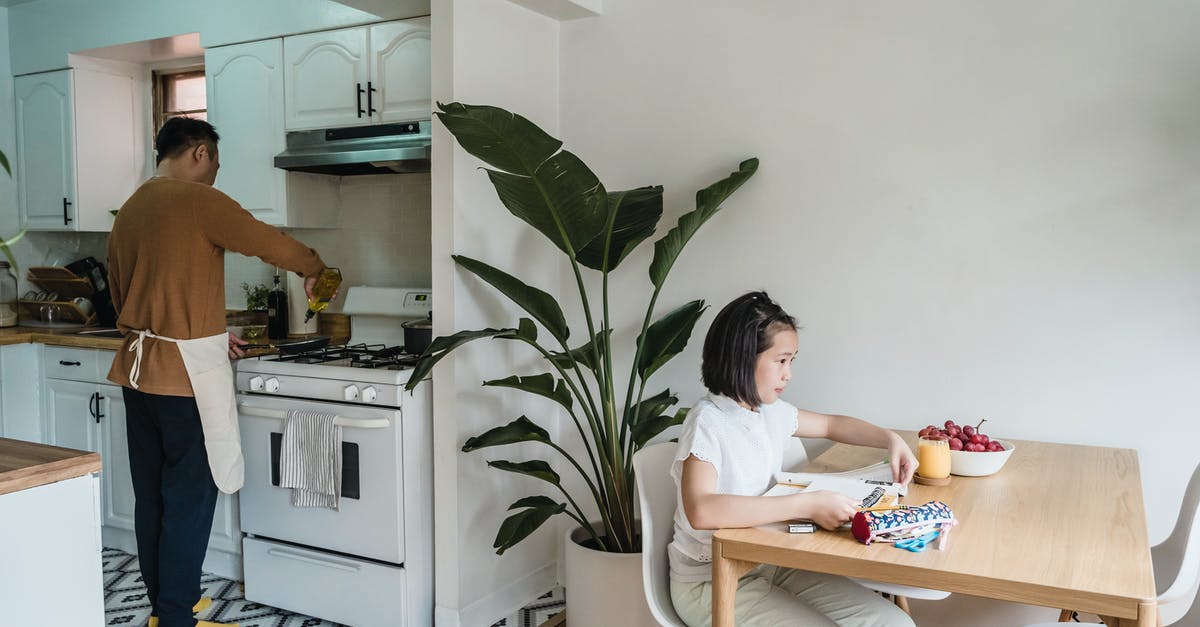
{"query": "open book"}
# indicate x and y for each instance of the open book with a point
(871, 486)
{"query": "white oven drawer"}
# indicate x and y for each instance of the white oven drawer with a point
(333, 587)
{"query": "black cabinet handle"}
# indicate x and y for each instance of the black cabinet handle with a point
(370, 107)
(99, 412)
(92, 405)
(66, 218)
(69, 363)
(358, 86)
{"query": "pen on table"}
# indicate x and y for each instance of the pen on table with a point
(883, 508)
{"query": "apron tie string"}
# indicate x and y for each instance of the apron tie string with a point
(136, 347)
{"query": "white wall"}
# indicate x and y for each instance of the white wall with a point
(485, 52)
(43, 32)
(976, 210)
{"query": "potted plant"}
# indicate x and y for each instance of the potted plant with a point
(559, 196)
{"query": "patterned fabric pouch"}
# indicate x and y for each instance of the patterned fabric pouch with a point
(889, 526)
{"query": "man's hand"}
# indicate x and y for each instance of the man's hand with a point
(235, 344)
(309, 282)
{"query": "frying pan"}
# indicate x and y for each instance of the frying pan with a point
(292, 347)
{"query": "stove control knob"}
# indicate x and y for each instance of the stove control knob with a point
(369, 394)
(272, 385)
(350, 392)
(256, 384)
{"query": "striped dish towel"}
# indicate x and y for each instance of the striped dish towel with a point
(310, 458)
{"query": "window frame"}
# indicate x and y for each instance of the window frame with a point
(161, 80)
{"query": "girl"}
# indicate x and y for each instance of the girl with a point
(731, 446)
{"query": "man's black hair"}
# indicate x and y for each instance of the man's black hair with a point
(179, 134)
(742, 330)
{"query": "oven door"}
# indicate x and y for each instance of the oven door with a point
(369, 521)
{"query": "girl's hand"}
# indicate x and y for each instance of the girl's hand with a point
(829, 509)
(904, 463)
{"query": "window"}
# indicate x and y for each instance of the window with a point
(179, 92)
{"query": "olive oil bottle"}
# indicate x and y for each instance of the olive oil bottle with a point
(277, 311)
(326, 287)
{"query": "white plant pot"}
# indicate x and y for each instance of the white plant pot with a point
(603, 589)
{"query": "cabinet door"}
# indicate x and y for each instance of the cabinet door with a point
(70, 406)
(400, 71)
(21, 406)
(45, 158)
(117, 485)
(245, 103)
(323, 76)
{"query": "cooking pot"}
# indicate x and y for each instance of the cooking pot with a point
(417, 335)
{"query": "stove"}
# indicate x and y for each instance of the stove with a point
(376, 548)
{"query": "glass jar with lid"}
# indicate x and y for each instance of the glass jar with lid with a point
(8, 296)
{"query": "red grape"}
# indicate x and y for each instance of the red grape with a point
(956, 444)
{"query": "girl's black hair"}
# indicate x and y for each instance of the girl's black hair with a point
(179, 134)
(742, 330)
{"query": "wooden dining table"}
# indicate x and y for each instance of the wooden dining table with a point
(1060, 525)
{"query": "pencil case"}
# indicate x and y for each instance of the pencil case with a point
(868, 527)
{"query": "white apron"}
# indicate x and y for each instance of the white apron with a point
(207, 362)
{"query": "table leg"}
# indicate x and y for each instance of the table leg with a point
(726, 573)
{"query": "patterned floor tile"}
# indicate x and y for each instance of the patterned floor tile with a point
(126, 605)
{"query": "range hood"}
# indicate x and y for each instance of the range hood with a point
(376, 149)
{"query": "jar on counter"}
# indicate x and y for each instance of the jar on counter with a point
(8, 296)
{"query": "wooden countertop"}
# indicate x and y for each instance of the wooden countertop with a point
(25, 465)
(56, 337)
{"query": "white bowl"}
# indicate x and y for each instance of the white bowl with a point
(970, 464)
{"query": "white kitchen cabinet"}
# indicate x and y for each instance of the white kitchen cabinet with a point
(85, 412)
(245, 103)
(77, 150)
(20, 393)
(401, 62)
(354, 76)
(70, 407)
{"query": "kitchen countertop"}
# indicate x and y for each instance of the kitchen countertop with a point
(71, 337)
(56, 337)
(25, 465)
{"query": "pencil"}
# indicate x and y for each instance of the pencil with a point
(883, 509)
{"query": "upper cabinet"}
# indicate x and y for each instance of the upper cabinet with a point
(245, 102)
(363, 75)
(76, 143)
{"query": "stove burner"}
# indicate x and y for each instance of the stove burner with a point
(376, 356)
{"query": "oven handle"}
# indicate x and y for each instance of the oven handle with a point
(341, 421)
(326, 562)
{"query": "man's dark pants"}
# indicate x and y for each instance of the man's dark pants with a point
(175, 498)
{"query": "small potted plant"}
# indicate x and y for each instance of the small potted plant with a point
(251, 324)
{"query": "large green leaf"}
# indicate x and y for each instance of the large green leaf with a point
(632, 216)
(518, 526)
(520, 430)
(650, 407)
(535, 468)
(502, 139)
(667, 337)
(444, 345)
(583, 355)
(4, 162)
(645, 430)
(562, 199)
(708, 201)
(552, 190)
(542, 385)
(542, 306)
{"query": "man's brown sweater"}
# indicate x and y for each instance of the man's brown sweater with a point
(166, 271)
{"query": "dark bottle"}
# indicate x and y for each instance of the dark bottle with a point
(277, 312)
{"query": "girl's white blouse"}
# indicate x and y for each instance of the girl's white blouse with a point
(746, 448)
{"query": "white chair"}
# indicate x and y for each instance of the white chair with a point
(656, 492)
(1176, 564)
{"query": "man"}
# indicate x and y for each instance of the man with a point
(167, 277)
